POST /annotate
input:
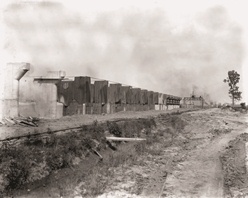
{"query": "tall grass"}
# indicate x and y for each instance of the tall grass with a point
(38, 156)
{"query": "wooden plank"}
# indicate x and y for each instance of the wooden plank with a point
(123, 94)
(101, 91)
(144, 97)
(150, 97)
(82, 89)
(114, 93)
(136, 95)
(125, 139)
(129, 96)
(92, 93)
(72, 109)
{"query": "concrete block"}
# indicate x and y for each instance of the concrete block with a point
(112, 108)
(128, 107)
(129, 96)
(150, 97)
(46, 99)
(27, 109)
(136, 95)
(72, 109)
(108, 108)
(92, 93)
(88, 108)
(170, 107)
(155, 97)
(143, 97)
(81, 88)
(119, 107)
(123, 94)
(101, 92)
(97, 108)
(114, 91)
(151, 107)
(11, 75)
(59, 110)
(124, 107)
(10, 108)
(157, 107)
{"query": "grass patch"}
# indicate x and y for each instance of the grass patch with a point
(36, 154)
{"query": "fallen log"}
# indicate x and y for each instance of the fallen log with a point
(125, 139)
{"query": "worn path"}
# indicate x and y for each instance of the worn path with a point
(190, 167)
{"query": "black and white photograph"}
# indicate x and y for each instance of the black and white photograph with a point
(123, 99)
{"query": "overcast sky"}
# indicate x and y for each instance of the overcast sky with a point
(166, 46)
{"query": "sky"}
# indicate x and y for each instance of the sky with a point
(171, 47)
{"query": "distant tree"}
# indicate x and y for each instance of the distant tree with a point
(232, 80)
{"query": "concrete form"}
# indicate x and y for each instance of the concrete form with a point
(101, 92)
(54, 96)
(114, 93)
(144, 97)
(150, 97)
(9, 88)
(40, 95)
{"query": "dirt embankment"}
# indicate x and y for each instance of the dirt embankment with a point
(233, 160)
(181, 158)
(185, 163)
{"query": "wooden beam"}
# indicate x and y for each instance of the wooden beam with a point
(125, 139)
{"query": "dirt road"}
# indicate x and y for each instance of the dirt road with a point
(190, 165)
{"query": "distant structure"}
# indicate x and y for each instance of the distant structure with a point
(193, 102)
(54, 95)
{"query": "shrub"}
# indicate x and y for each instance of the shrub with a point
(114, 129)
(55, 160)
(14, 167)
(17, 174)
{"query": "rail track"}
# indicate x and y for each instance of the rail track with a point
(48, 132)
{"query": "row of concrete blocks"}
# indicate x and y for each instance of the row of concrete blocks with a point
(97, 108)
(83, 91)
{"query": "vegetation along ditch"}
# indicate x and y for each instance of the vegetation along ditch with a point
(34, 158)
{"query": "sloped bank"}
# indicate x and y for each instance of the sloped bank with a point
(234, 167)
(37, 157)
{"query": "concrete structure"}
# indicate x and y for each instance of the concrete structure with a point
(11, 76)
(39, 96)
(54, 96)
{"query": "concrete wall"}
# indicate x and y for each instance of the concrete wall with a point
(101, 92)
(11, 75)
(40, 96)
(54, 97)
(114, 93)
